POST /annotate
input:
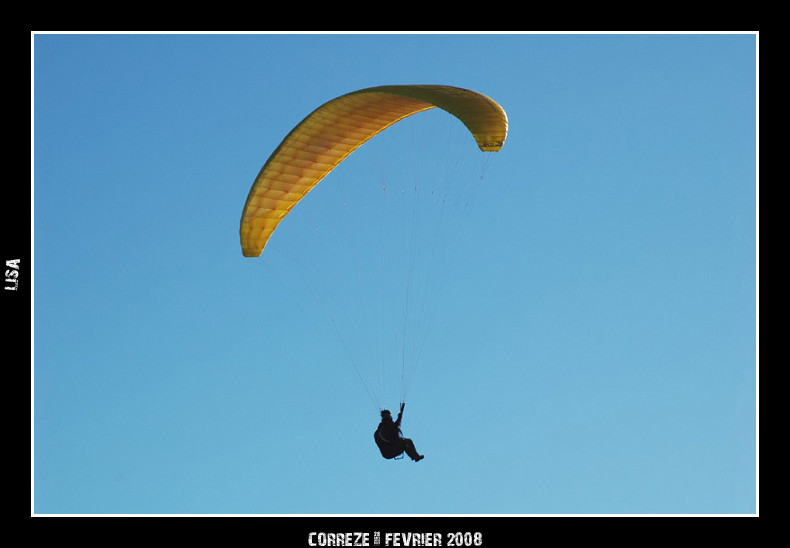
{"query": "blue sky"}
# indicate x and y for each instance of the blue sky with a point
(593, 345)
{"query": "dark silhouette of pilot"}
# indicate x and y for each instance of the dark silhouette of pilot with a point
(390, 440)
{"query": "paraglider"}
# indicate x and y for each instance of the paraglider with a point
(334, 130)
(390, 440)
(326, 137)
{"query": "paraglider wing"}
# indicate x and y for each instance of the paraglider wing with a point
(334, 130)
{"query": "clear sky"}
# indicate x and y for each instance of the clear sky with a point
(589, 327)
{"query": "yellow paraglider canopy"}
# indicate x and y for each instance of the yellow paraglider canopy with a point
(334, 130)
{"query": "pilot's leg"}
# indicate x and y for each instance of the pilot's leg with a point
(411, 451)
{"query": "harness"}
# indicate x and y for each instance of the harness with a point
(378, 435)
